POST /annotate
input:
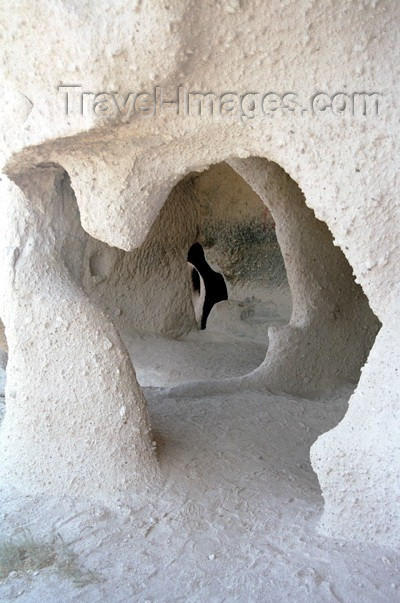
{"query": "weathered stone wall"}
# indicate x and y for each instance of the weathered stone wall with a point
(332, 327)
(122, 171)
(148, 289)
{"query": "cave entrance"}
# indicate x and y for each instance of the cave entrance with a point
(294, 319)
(237, 279)
(323, 341)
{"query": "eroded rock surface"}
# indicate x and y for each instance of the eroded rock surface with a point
(122, 172)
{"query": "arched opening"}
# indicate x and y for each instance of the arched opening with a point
(145, 298)
(237, 405)
(251, 220)
(256, 230)
(147, 292)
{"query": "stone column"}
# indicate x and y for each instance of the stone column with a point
(358, 462)
(332, 327)
(75, 418)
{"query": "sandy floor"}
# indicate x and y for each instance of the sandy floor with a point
(237, 514)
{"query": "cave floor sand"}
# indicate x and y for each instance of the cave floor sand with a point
(238, 509)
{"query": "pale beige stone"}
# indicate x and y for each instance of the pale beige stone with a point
(122, 174)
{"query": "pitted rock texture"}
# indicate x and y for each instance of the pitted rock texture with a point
(122, 172)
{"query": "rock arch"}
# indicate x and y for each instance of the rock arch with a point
(330, 313)
(121, 172)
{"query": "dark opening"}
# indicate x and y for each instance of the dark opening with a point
(214, 282)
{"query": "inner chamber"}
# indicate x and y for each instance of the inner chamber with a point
(158, 308)
(150, 295)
